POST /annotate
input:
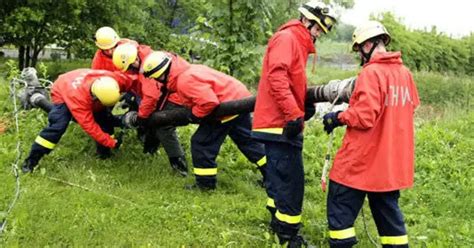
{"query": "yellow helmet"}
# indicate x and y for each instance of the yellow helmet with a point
(106, 38)
(367, 31)
(319, 12)
(155, 64)
(107, 90)
(124, 55)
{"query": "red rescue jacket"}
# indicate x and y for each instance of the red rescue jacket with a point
(73, 89)
(377, 153)
(101, 61)
(202, 88)
(282, 87)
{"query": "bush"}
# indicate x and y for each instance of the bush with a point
(430, 50)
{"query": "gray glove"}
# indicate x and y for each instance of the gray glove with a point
(129, 119)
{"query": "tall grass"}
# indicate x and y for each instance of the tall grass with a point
(135, 199)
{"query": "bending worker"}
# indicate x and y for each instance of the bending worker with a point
(202, 89)
(127, 57)
(377, 155)
(84, 95)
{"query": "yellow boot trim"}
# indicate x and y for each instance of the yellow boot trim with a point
(262, 161)
(342, 234)
(205, 172)
(290, 219)
(44, 143)
(394, 240)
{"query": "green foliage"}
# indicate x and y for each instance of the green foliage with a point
(429, 50)
(229, 34)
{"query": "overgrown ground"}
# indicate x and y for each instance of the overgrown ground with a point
(136, 200)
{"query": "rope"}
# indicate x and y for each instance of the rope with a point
(327, 160)
(327, 157)
(90, 190)
(3, 223)
(367, 230)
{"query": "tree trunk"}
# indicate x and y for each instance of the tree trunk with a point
(21, 57)
(27, 56)
(231, 20)
(174, 8)
(34, 57)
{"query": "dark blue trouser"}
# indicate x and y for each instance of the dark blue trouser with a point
(58, 121)
(343, 206)
(285, 186)
(207, 141)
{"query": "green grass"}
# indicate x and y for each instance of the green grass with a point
(135, 199)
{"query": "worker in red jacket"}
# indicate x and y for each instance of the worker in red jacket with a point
(145, 91)
(84, 95)
(377, 155)
(280, 114)
(106, 39)
(202, 89)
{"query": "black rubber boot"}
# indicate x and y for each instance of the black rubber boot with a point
(28, 166)
(179, 164)
(103, 152)
(296, 241)
(197, 186)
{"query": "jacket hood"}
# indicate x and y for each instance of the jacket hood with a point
(301, 32)
(386, 58)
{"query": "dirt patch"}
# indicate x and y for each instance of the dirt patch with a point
(3, 126)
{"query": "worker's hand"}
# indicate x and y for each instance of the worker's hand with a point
(331, 121)
(119, 139)
(193, 119)
(309, 111)
(129, 119)
(293, 128)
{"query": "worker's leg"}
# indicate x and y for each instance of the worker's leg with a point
(169, 138)
(343, 206)
(205, 145)
(58, 121)
(106, 122)
(240, 133)
(388, 218)
(286, 177)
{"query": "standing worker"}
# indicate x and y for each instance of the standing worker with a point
(202, 89)
(128, 58)
(280, 114)
(84, 95)
(377, 154)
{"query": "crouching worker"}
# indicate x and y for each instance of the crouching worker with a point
(202, 89)
(128, 58)
(84, 95)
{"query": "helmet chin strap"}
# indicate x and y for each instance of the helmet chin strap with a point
(311, 25)
(366, 56)
(166, 75)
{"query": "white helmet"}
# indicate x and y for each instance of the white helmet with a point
(368, 31)
(319, 12)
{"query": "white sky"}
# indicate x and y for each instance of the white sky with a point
(452, 17)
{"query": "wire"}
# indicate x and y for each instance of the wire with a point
(367, 230)
(3, 223)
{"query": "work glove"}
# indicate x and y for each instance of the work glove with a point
(309, 111)
(293, 128)
(130, 119)
(331, 121)
(119, 139)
